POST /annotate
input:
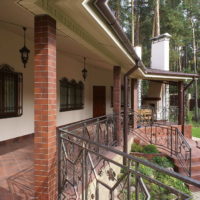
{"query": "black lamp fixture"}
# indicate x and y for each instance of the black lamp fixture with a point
(84, 71)
(24, 50)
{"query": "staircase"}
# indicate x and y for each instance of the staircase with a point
(195, 163)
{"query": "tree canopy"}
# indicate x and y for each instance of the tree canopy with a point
(177, 17)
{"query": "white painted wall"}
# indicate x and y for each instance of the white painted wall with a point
(160, 52)
(66, 67)
(138, 50)
(160, 60)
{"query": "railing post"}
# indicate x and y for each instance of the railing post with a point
(171, 141)
(86, 175)
(190, 164)
(176, 143)
(107, 132)
(83, 173)
(97, 132)
(136, 182)
(128, 182)
(59, 143)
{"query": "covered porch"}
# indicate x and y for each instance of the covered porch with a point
(52, 93)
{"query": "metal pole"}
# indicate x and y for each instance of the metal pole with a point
(125, 130)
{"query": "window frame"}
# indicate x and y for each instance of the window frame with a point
(71, 87)
(8, 73)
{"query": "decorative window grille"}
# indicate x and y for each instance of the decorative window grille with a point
(71, 95)
(11, 92)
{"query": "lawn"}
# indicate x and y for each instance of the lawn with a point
(196, 132)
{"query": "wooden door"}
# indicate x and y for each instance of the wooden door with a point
(99, 101)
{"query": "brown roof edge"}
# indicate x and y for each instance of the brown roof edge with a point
(170, 73)
(105, 11)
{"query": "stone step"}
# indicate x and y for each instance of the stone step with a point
(195, 166)
(193, 188)
(194, 159)
(196, 175)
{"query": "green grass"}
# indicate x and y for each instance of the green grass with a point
(196, 132)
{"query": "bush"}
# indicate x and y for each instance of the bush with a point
(150, 149)
(162, 161)
(136, 148)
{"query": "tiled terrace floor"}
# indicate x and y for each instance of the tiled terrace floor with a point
(16, 173)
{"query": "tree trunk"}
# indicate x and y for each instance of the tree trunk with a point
(156, 20)
(133, 23)
(117, 14)
(195, 70)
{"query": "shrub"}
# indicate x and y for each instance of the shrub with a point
(162, 161)
(150, 149)
(136, 148)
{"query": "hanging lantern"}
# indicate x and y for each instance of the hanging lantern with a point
(84, 71)
(24, 50)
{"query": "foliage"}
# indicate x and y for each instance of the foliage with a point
(177, 17)
(162, 161)
(150, 149)
(196, 132)
(146, 170)
(156, 191)
(136, 148)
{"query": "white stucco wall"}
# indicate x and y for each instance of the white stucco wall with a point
(160, 54)
(66, 67)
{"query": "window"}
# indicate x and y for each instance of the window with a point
(71, 95)
(11, 84)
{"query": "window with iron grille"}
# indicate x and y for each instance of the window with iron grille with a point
(71, 95)
(11, 84)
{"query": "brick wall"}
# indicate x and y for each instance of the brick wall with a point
(45, 108)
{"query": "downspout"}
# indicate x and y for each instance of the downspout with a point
(184, 90)
(125, 128)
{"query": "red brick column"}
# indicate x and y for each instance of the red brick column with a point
(45, 171)
(117, 102)
(181, 104)
(134, 99)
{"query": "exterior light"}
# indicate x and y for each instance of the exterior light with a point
(24, 50)
(84, 71)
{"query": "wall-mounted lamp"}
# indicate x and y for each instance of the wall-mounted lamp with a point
(84, 71)
(24, 50)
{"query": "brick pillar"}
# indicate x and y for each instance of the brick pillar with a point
(45, 172)
(117, 102)
(181, 104)
(134, 99)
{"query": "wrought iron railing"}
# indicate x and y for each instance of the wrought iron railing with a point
(89, 168)
(166, 114)
(167, 138)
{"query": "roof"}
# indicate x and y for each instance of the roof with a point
(92, 24)
(142, 72)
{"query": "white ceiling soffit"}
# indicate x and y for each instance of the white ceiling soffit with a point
(77, 19)
(141, 75)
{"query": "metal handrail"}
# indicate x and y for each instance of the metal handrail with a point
(90, 154)
(175, 141)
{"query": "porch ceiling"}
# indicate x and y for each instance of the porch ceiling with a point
(161, 75)
(83, 34)
(101, 54)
